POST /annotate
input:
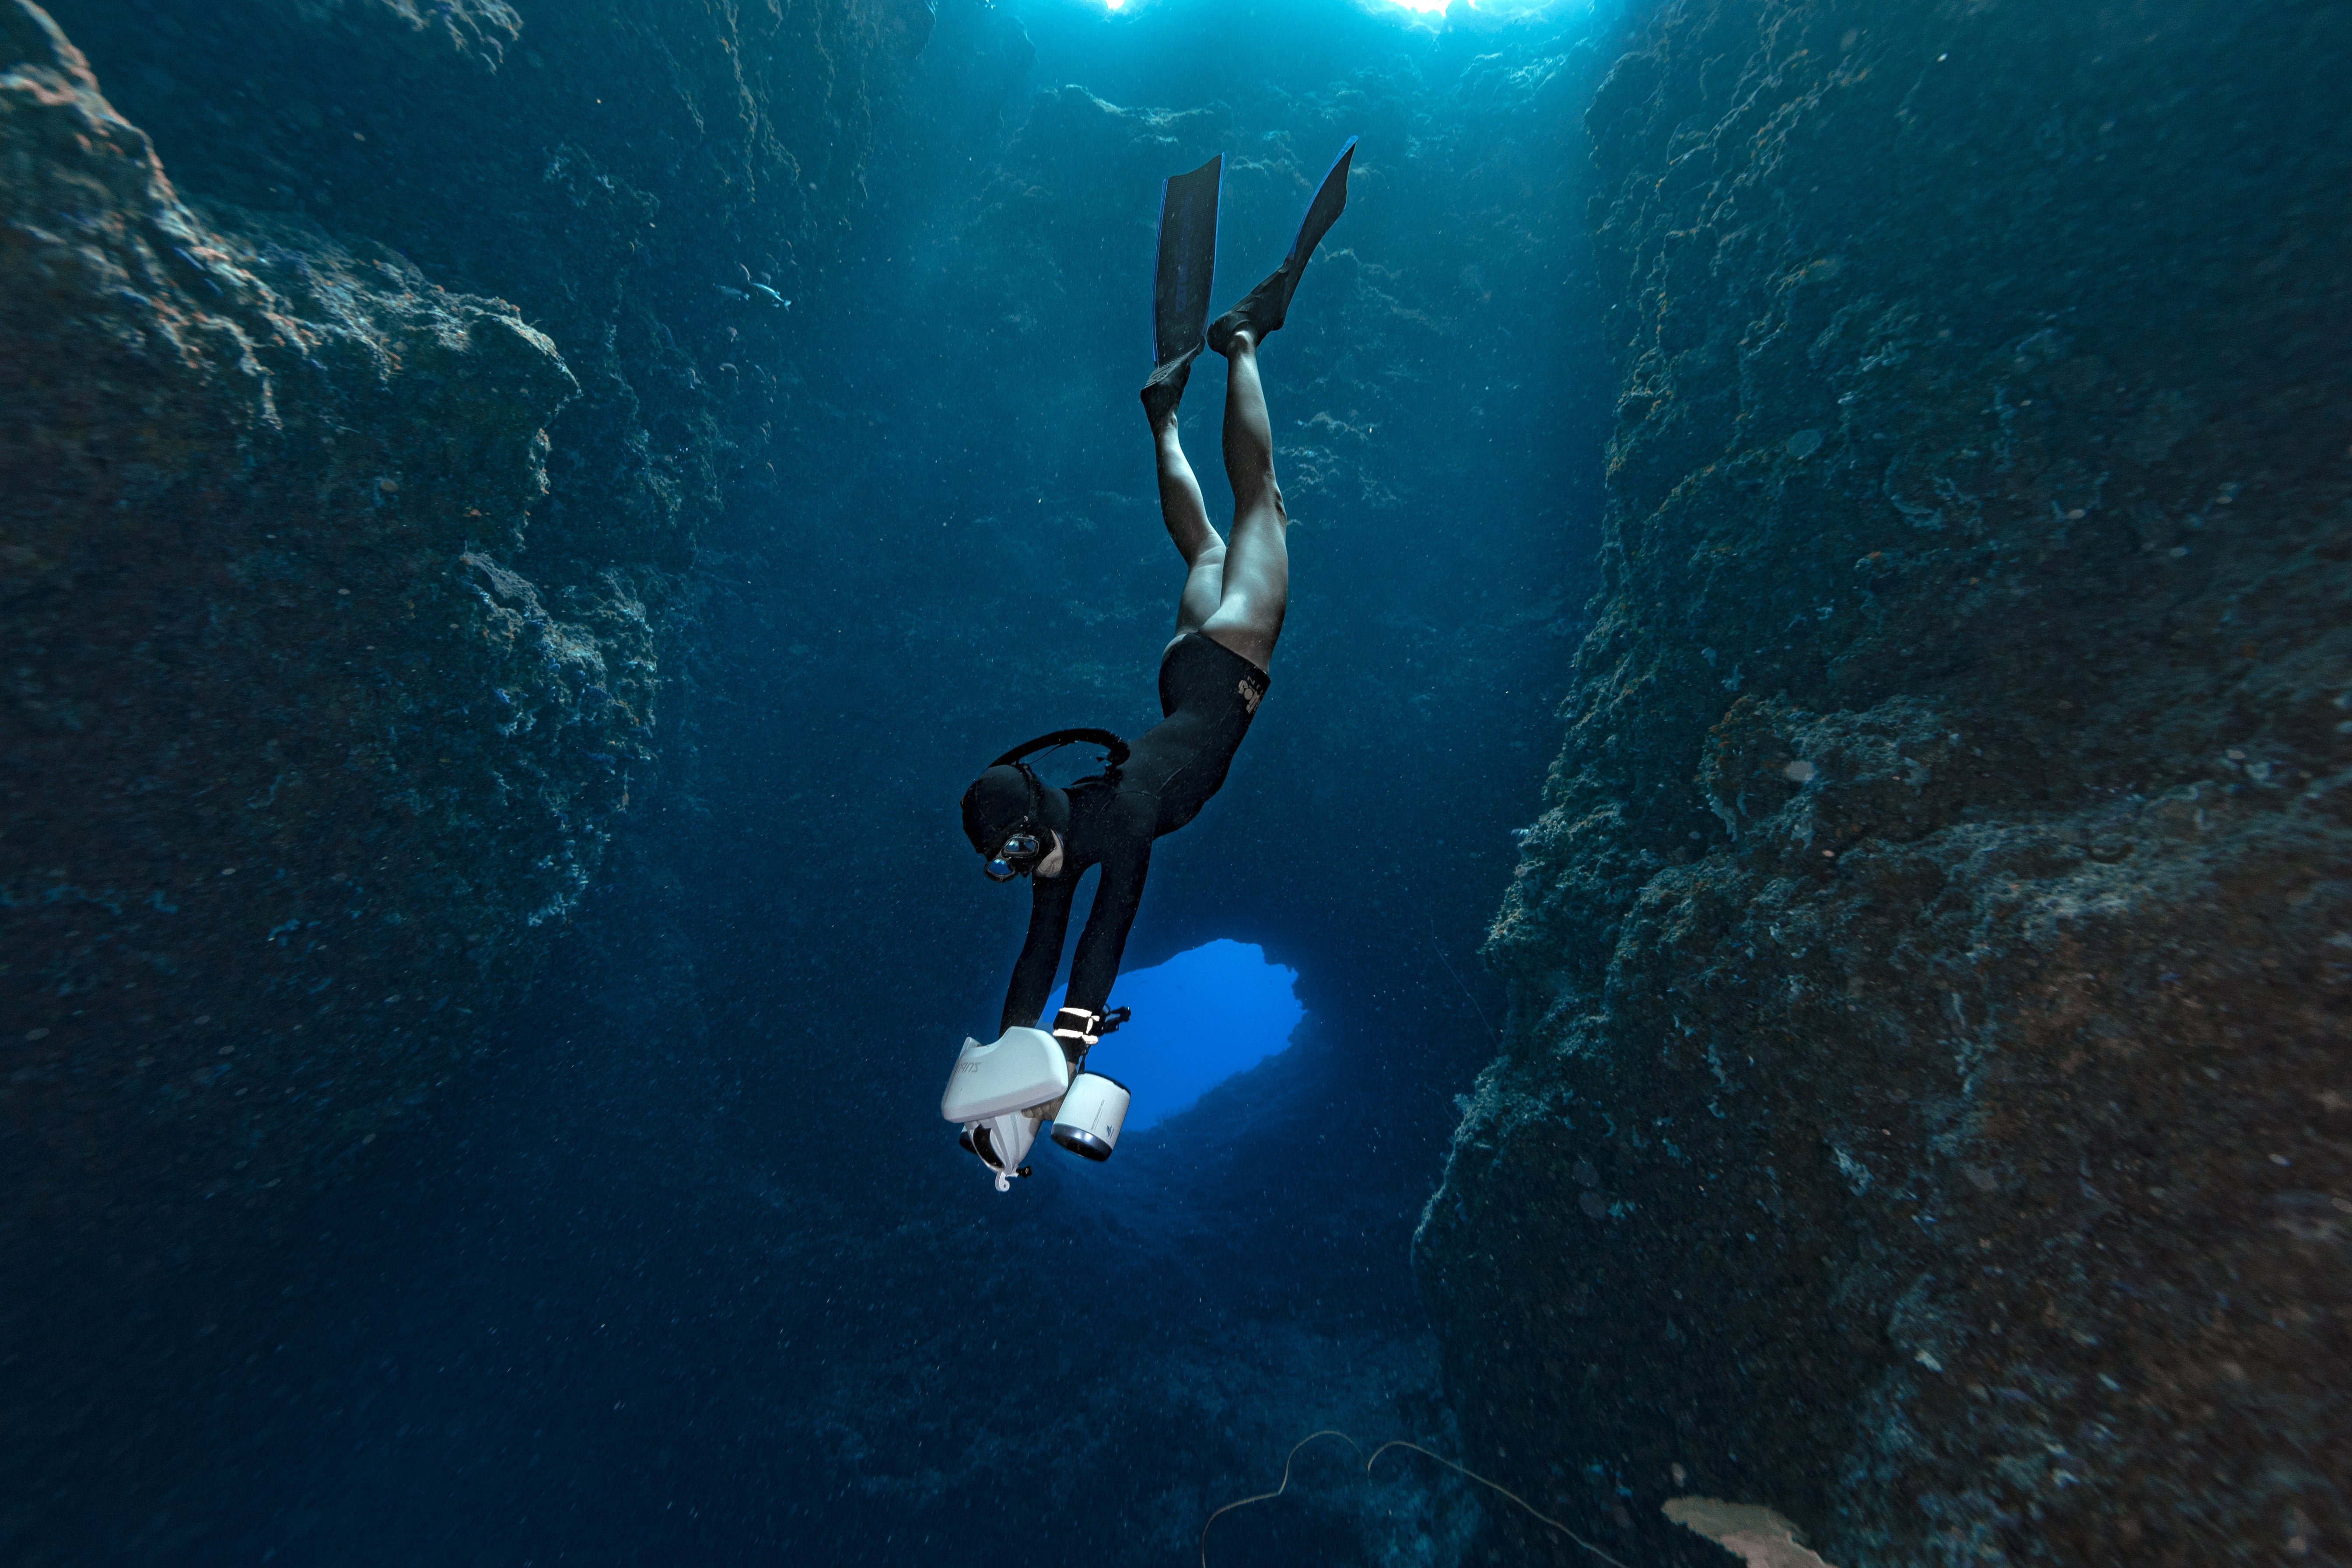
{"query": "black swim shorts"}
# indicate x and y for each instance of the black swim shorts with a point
(1209, 694)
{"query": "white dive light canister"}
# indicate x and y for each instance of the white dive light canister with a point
(1091, 1115)
(1000, 1092)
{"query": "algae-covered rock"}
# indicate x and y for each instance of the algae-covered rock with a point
(291, 756)
(477, 31)
(1924, 1102)
(348, 476)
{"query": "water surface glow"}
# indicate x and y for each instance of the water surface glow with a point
(1432, 9)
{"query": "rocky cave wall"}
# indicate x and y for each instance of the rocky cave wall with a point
(1924, 1108)
(354, 454)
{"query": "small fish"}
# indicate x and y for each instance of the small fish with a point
(763, 289)
(731, 293)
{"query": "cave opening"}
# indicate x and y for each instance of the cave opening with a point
(1206, 1015)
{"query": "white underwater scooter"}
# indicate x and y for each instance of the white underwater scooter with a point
(1003, 1092)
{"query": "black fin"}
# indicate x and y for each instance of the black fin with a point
(1330, 201)
(1265, 308)
(1188, 256)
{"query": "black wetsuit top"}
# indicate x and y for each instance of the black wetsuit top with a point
(1208, 693)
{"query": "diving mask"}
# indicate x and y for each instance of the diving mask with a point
(1014, 858)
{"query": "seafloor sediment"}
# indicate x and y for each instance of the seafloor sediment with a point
(1924, 1108)
(338, 589)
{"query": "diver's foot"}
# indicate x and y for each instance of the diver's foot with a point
(1165, 390)
(1261, 312)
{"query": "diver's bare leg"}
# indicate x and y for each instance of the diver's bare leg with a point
(1187, 516)
(1248, 616)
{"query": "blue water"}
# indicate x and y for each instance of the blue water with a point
(691, 1270)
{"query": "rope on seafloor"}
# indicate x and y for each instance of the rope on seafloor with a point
(1396, 1443)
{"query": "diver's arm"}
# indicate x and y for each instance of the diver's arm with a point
(1041, 954)
(1117, 897)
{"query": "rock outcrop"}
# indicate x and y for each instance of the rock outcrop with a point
(340, 591)
(1924, 1109)
(288, 743)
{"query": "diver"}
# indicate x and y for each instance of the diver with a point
(1213, 676)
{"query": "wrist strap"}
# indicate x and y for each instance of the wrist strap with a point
(1084, 1028)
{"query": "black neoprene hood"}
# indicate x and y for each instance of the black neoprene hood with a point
(1002, 798)
(995, 805)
